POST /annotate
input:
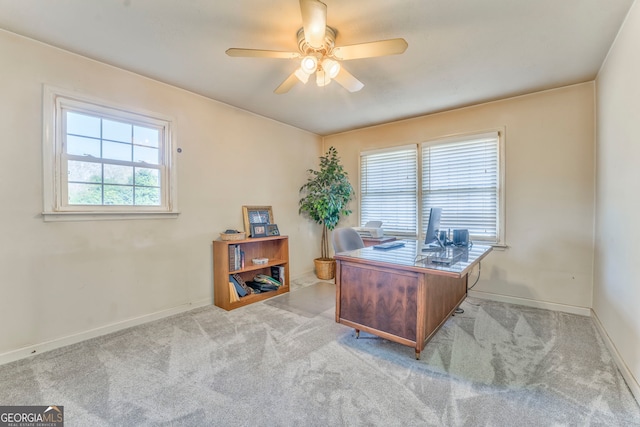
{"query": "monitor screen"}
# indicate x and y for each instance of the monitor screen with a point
(431, 238)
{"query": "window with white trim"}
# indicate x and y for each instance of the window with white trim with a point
(462, 175)
(389, 189)
(105, 160)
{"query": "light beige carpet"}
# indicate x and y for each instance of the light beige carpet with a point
(309, 301)
(265, 365)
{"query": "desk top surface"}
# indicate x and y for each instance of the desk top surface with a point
(412, 257)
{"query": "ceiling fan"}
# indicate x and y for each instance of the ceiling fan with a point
(318, 53)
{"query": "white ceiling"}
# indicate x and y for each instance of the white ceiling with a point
(461, 52)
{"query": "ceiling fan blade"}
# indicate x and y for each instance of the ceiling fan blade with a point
(371, 49)
(258, 53)
(286, 85)
(347, 81)
(314, 21)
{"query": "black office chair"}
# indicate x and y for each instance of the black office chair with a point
(346, 239)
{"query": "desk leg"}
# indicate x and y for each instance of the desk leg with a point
(417, 354)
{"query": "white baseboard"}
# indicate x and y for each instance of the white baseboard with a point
(631, 381)
(32, 350)
(583, 311)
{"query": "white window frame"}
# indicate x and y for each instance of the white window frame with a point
(408, 216)
(56, 206)
(500, 194)
(500, 214)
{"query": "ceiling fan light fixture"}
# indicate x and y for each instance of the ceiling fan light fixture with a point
(322, 78)
(302, 76)
(331, 67)
(309, 64)
(318, 53)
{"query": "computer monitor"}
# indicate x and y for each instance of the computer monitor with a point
(432, 239)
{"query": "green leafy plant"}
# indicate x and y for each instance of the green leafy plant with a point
(326, 195)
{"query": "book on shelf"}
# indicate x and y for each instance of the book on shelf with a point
(233, 294)
(259, 287)
(266, 283)
(232, 257)
(241, 291)
(277, 272)
(238, 279)
(236, 258)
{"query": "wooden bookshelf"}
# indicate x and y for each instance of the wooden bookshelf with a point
(275, 248)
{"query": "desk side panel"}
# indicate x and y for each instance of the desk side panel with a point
(443, 296)
(382, 299)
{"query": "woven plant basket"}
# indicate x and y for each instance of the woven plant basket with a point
(232, 236)
(325, 268)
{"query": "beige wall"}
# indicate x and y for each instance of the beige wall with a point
(616, 285)
(549, 190)
(75, 279)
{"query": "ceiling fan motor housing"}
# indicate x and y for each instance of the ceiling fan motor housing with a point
(325, 50)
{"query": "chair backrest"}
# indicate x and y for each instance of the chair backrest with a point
(346, 239)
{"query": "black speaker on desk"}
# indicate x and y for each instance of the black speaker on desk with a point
(461, 237)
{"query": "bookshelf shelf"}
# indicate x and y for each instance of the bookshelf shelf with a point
(254, 267)
(275, 248)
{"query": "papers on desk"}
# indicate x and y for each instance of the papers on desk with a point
(389, 245)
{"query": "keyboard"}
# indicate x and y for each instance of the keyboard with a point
(389, 245)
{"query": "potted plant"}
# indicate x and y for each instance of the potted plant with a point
(325, 197)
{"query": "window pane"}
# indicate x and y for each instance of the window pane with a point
(475, 211)
(85, 194)
(118, 195)
(79, 146)
(114, 174)
(397, 212)
(147, 196)
(116, 131)
(105, 157)
(462, 178)
(148, 177)
(146, 136)
(116, 151)
(84, 171)
(81, 124)
(389, 189)
(145, 154)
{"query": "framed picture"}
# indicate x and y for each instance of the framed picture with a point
(259, 230)
(256, 215)
(272, 230)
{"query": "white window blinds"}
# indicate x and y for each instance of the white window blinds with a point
(389, 189)
(462, 177)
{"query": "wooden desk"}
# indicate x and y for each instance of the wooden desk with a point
(399, 294)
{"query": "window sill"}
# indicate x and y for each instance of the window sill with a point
(105, 216)
(496, 246)
(499, 247)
